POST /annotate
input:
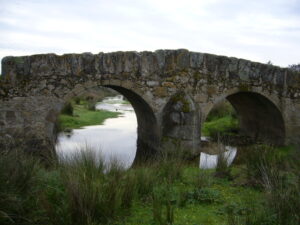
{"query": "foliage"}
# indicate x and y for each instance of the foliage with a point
(223, 170)
(67, 109)
(276, 172)
(221, 121)
(17, 187)
(220, 126)
(85, 189)
(84, 117)
(220, 110)
(295, 67)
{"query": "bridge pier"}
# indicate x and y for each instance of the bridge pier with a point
(180, 123)
(28, 124)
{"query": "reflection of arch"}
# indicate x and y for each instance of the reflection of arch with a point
(259, 117)
(147, 133)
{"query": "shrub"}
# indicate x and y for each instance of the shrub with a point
(77, 100)
(67, 109)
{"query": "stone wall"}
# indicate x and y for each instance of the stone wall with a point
(172, 92)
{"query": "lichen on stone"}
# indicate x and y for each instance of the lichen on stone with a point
(181, 98)
(244, 87)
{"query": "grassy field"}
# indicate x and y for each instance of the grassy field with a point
(82, 116)
(265, 189)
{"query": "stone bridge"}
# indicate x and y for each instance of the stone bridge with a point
(172, 92)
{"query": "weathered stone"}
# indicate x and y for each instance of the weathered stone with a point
(171, 91)
(152, 83)
(10, 116)
(161, 91)
(168, 84)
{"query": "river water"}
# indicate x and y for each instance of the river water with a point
(116, 137)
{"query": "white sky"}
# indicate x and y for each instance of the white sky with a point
(258, 30)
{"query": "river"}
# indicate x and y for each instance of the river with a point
(116, 137)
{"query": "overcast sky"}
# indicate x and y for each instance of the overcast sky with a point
(259, 30)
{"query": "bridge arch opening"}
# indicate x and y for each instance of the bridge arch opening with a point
(147, 140)
(259, 119)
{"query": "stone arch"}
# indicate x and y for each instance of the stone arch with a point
(147, 131)
(258, 115)
(180, 122)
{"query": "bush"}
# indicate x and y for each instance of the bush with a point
(67, 109)
(91, 106)
(77, 100)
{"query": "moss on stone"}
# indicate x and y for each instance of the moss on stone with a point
(197, 75)
(18, 60)
(185, 103)
(244, 87)
(161, 91)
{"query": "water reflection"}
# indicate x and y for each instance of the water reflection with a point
(115, 138)
(211, 152)
(208, 161)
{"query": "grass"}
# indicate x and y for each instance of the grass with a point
(84, 117)
(221, 121)
(263, 189)
(87, 191)
(223, 125)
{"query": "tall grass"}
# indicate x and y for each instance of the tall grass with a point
(18, 177)
(97, 192)
(277, 175)
(85, 189)
(81, 189)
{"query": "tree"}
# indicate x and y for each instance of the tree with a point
(295, 67)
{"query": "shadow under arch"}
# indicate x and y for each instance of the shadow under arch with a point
(259, 117)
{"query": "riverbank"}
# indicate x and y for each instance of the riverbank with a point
(83, 116)
(85, 191)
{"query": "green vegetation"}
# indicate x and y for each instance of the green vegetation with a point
(221, 121)
(84, 190)
(262, 189)
(224, 125)
(83, 114)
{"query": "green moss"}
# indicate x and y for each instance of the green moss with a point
(197, 76)
(18, 60)
(182, 98)
(244, 87)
